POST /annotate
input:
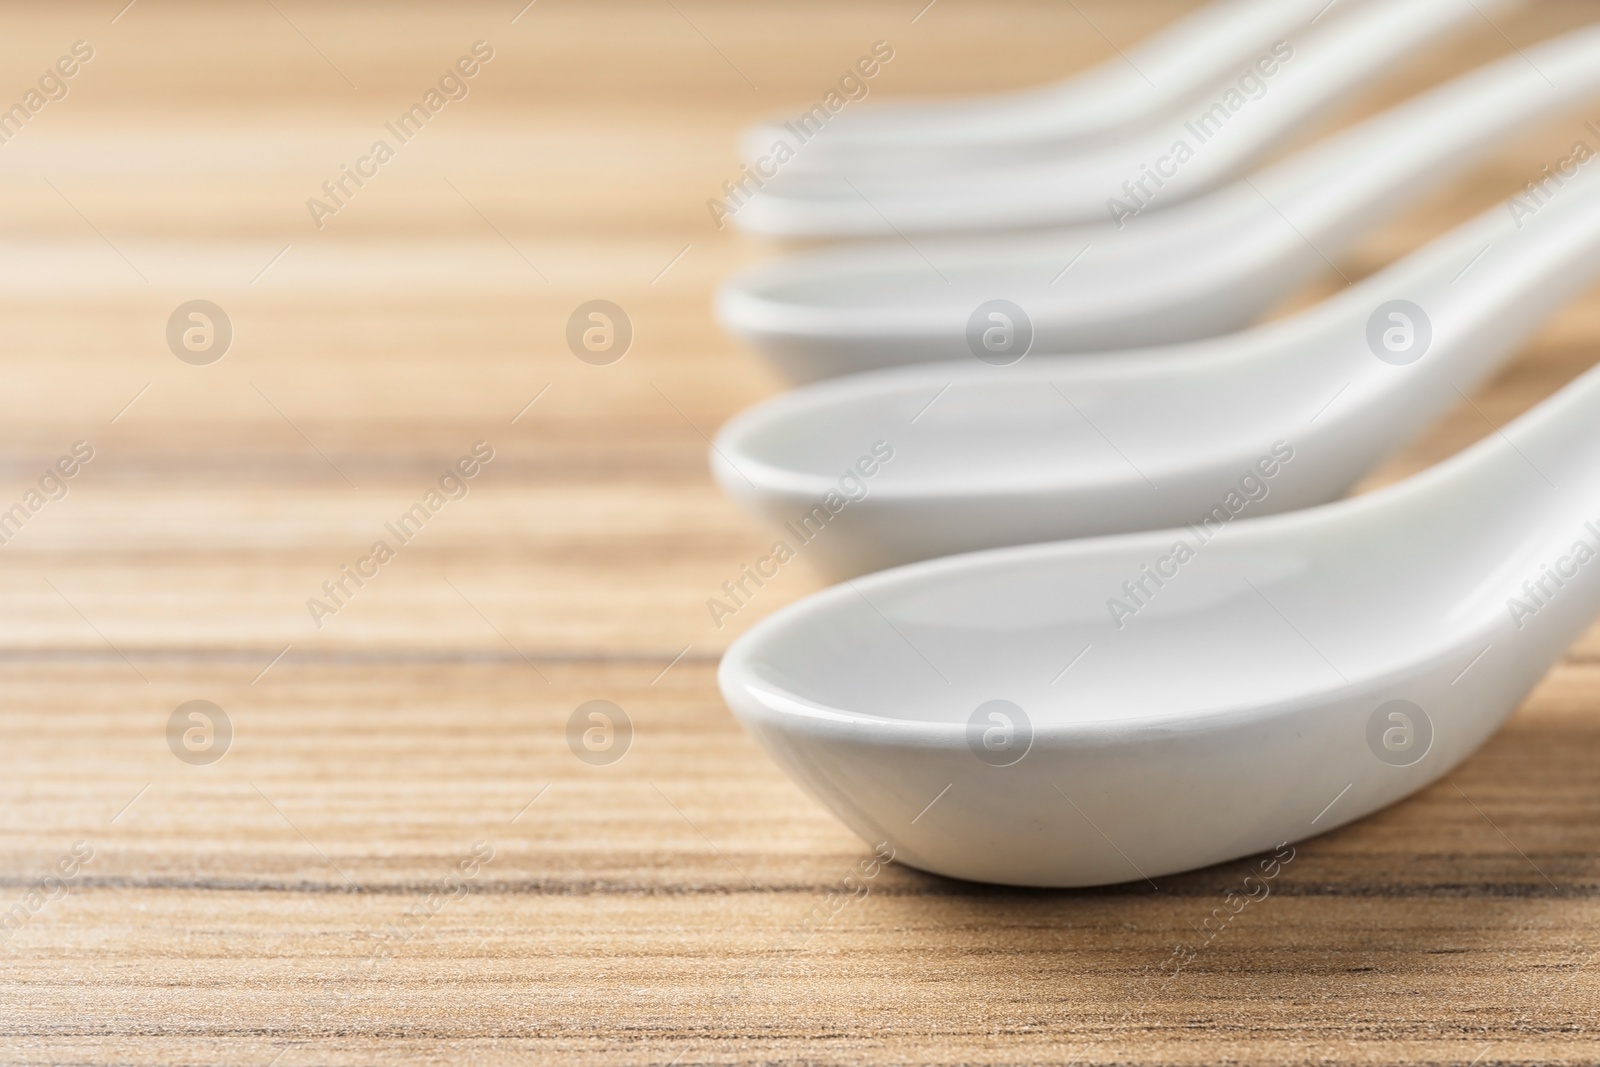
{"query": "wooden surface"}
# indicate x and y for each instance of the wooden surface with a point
(674, 907)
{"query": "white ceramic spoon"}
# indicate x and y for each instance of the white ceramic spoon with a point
(1204, 267)
(990, 718)
(1223, 131)
(1279, 417)
(1126, 91)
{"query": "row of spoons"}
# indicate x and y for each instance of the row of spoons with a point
(1098, 704)
(1257, 101)
(1208, 266)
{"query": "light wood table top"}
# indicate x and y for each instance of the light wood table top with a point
(399, 859)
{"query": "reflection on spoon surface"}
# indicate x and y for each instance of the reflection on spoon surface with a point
(1276, 418)
(1098, 711)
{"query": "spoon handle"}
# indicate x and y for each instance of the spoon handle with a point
(1330, 60)
(1394, 158)
(1545, 256)
(1160, 72)
(1221, 134)
(1464, 305)
(1526, 503)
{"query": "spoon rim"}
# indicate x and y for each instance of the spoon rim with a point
(738, 673)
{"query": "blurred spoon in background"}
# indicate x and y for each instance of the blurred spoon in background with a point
(1215, 138)
(1127, 91)
(1202, 268)
(1280, 417)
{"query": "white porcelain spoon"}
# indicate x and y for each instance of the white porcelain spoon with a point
(1129, 90)
(1204, 267)
(996, 717)
(1279, 417)
(1213, 138)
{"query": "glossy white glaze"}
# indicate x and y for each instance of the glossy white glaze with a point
(1246, 701)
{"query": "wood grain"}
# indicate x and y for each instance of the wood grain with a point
(289, 904)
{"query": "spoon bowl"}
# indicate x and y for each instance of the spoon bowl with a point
(997, 717)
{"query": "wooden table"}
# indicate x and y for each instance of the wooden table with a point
(399, 859)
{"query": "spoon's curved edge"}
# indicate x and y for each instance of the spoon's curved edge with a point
(1233, 784)
(1062, 817)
